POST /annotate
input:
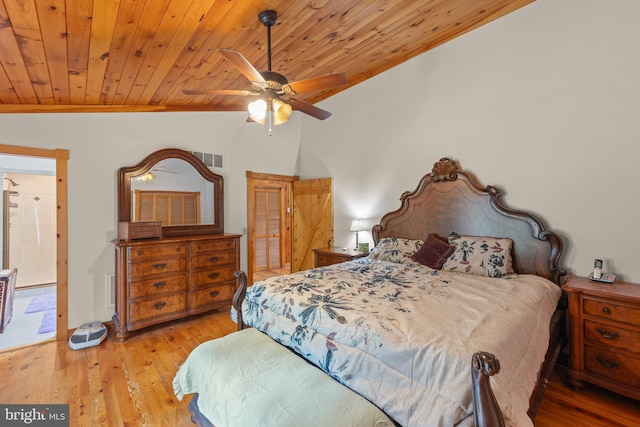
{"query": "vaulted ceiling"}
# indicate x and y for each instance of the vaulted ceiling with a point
(139, 55)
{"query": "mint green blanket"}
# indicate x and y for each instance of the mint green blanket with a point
(246, 379)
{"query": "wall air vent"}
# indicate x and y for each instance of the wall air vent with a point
(209, 159)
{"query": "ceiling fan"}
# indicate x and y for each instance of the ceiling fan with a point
(274, 91)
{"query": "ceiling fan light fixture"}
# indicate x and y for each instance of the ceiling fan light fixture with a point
(281, 112)
(258, 110)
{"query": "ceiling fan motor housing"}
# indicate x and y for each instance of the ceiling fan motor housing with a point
(268, 18)
(274, 80)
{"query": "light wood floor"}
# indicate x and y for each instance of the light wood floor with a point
(261, 275)
(129, 384)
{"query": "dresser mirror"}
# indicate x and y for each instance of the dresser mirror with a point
(175, 187)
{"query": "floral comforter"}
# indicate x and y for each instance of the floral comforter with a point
(402, 335)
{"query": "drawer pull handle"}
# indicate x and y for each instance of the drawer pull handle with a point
(199, 247)
(178, 249)
(214, 259)
(214, 293)
(606, 310)
(608, 335)
(607, 363)
(140, 253)
(213, 275)
(160, 265)
(159, 285)
(159, 305)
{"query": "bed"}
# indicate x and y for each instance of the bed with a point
(457, 288)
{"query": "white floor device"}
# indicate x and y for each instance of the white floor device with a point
(88, 335)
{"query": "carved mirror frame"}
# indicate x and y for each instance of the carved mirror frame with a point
(124, 191)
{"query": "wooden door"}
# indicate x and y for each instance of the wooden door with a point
(268, 228)
(268, 222)
(312, 220)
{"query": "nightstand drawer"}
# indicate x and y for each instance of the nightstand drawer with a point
(612, 311)
(329, 256)
(612, 335)
(323, 260)
(611, 365)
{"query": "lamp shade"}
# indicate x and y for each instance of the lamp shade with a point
(356, 225)
(259, 110)
(281, 112)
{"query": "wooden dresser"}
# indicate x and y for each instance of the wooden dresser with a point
(173, 277)
(333, 255)
(604, 322)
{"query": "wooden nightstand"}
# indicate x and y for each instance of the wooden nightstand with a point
(333, 255)
(604, 331)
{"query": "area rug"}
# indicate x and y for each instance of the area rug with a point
(48, 323)
(42, 303)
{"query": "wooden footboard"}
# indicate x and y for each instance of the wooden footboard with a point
(483, 365)
(241, 290)
(486, 409)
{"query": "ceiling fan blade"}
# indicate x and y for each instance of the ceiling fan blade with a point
(219, 92)
(242, 64)
(328, 81)
(309, 109)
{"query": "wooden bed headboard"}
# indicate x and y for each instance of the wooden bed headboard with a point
(450, 199)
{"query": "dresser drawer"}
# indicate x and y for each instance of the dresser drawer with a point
(614, 336)
(211, 276)
(142, 288)
(160, 266)
(612, 365)
(611, 310)
(213, 294)
(156, 251)
(212, 245)
(169, 304)
(213, 259)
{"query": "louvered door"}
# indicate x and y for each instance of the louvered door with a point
(268, 228)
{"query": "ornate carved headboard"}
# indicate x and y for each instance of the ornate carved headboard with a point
(451, 199)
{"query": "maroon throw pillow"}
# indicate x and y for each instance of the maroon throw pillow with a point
(433, 253)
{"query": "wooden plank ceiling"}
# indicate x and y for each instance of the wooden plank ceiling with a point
(139, 55)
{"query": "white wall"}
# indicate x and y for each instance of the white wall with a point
(99, 144)
(542, 103)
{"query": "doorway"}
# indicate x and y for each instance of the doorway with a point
(286, 220)
(29, 224)
(12, 155)
(268, 225)
(29, 245)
